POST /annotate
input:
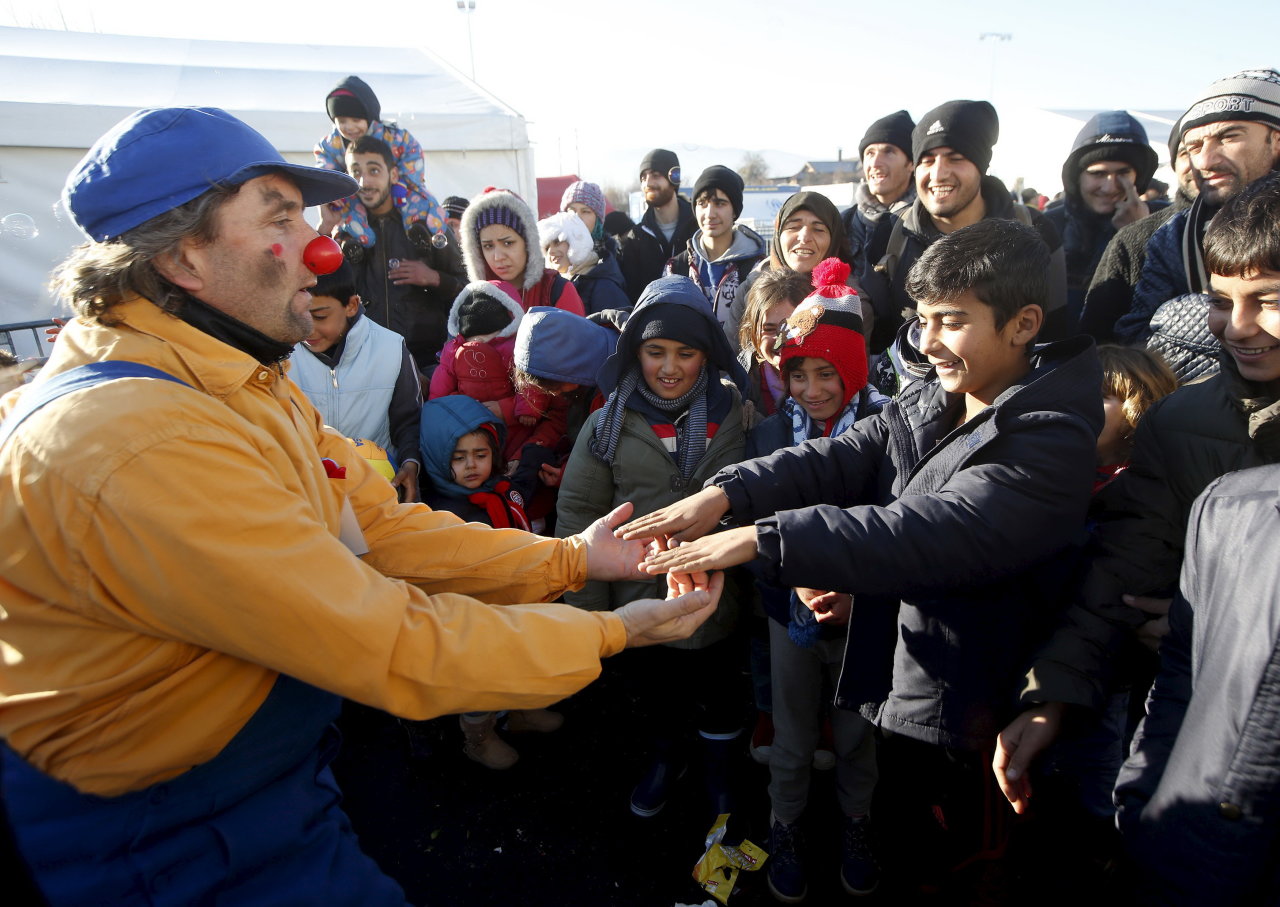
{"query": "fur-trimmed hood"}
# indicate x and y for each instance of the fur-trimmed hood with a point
(473, 257)
(568, 226)
(492, 290)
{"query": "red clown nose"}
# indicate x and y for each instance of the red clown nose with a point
(322, 256)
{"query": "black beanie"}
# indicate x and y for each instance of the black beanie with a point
(671, 321)
(724, 179)
(661, 160)
(969, 127)
(895, 129)
(481, 315)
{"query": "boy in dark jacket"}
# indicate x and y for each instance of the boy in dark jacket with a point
(936, 514)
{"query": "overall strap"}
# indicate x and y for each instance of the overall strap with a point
(79, 378)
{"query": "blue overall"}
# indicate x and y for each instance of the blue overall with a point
(260, 823)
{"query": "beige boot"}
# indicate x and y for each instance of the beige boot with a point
(481, 743)
(520, 721)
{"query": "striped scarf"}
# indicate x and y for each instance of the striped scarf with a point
(686, 441)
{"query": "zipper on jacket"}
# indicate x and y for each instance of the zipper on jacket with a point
(333, 376)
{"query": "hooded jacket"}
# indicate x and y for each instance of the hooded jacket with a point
(941, 531)
(556, 346)
(643, 471)
(720, 280)
(479, 367)
(602, 286)
(538, 285)
(447, 420)
(1085, 234)
(644, 250)
(886, 282)
(417, 203)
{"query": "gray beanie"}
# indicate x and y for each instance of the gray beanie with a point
(1251, 94)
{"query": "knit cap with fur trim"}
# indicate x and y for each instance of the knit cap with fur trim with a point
(499, 206)
(828, 325)
(1251, 94)
(970, 127)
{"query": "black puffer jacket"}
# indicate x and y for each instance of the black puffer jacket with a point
(1199, 798)
(939, 532)
(888, 291)
(1183, 443)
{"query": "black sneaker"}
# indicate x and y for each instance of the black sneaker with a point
(654, 789)
(859, 872)
(786, 877)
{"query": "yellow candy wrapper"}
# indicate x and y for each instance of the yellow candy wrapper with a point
(718, 869)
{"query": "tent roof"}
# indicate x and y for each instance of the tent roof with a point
(64, 89)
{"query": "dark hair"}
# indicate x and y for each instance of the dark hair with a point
(490, 434)
(99, 275)
(1004, 263)
(340, 285)
(367, 144)
(1244, 236)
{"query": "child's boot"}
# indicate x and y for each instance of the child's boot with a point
(481, 743)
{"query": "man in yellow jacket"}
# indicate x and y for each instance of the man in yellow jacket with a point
(195, 569)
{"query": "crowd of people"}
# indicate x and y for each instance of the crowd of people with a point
(942, 492)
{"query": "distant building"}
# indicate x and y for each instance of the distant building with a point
(820, 173)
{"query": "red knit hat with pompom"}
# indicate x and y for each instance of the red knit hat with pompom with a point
(828, 325)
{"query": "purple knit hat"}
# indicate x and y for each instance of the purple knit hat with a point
(587, 193)
(499, 214)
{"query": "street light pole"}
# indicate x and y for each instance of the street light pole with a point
(468, 7)
(997, 37)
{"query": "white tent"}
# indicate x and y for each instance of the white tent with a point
(64, 89)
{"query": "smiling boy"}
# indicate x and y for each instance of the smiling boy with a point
(936, 514)
(720, 255)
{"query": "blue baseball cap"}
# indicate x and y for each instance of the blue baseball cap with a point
(157, 159)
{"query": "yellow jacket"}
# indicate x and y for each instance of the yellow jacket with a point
(167, 552)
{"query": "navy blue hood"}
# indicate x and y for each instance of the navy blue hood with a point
(678, 291)
(556, 345)
(1112, 135)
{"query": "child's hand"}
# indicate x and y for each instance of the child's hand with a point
(527, 421)
(827, 607)
(687, 519)
(551, 476)
(717, 551)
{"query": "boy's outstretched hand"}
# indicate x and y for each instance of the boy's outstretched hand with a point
(685, 520)
(713, 552)
(691, 599)
(610, 558)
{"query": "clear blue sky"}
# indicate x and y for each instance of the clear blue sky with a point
(802, 76)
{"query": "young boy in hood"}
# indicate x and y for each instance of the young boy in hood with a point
(673, 417)
(461, 445)
(938, 515)
(356, 112)
(361, 376)
(721, 253)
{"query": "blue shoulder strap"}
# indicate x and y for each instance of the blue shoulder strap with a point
(78, 378)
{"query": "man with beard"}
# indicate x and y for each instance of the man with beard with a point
(951, 147)
(1232, 135)
(886, 187)
(666, 228)
(1109, 167)
(400, 289)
